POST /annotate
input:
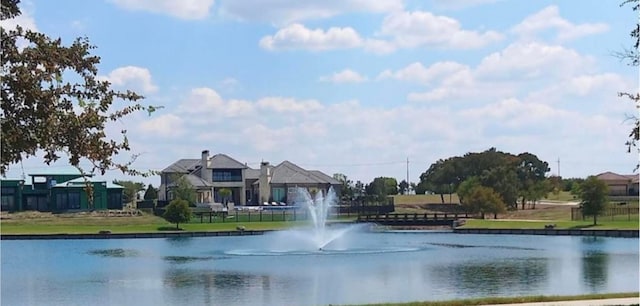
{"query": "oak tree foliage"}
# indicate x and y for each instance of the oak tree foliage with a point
(54, 102)
(632, 57)
(593, 196)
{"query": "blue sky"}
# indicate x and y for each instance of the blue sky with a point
(357, 86)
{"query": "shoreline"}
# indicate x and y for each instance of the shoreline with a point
(178, 234)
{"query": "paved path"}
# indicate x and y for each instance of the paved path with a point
(602, 302)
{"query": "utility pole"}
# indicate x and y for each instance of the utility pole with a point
(558, 166)
(407, 191)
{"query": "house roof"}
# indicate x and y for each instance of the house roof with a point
(252, 174)
(182, 166)
(329, 179)
(633, 177)
(218, 161)
(64, 170)
(610, 176)
(223, 161)
(80, 182)
(290, 173)
(195, 181)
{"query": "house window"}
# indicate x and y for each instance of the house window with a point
(115, 200)
(8, 202)
(74, 200)
(278, 194)
(227, 175)
(62, 201)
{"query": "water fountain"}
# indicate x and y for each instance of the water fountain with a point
(318, 208)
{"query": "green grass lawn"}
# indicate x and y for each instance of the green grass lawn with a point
(416, 199)
(562, 196)
(560, 224)
(515, 300)
(137, 224)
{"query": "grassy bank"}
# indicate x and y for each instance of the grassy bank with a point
(55, 224)
(511, 300)
(560, 224)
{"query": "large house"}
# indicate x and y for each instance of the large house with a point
(620, 184)
(58, 191)
(209, 174)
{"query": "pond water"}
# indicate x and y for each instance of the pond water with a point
(362, 267)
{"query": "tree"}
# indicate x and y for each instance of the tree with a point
(131, 189)
(632, 57)
(593, 196)
(225, 193)
(177, 212)
(45, 110)
(531, 172)
(183, 190)
(346, 187)
(151, 193)
(382, 186)
(465, 188)
(481, 199)
(508, 174)
(403, 187)
(358, 189)
(442, 177)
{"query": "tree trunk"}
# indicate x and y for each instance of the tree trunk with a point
(442, 198)
(177, 225)
(523, 202)
(495, 216)
(595, 219)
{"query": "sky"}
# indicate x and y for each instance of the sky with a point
(359, 87)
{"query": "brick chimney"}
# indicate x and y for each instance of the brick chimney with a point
(264, 182)
(205, 172)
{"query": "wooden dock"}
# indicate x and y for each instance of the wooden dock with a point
(427, 219)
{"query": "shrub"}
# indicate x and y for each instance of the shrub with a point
(177, 212)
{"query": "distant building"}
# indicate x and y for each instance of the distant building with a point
(248, 186)
(58, 191)
(620, 184)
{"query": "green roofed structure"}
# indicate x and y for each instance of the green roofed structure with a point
(59, 190)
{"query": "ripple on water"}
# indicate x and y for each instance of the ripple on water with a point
(322, 252)
(185, 259)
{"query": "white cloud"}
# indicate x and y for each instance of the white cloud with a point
(24, 20)
(289, 105)
(344, 76)
(461, 4)
(132, 77)
(205, 104)
(416, 72)
(379, 46)
(420, 28)
(166, 126)
(183, 9)
(549, 19)
(297, 36)
(284, 12)
(399, 30)
(532, 60)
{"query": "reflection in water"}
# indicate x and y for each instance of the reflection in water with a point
(115, 253)
(594, 270)
(205, 271)
(507, 277)
(186, 277)
(185, 259)
(594, 263)
(179, 241)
